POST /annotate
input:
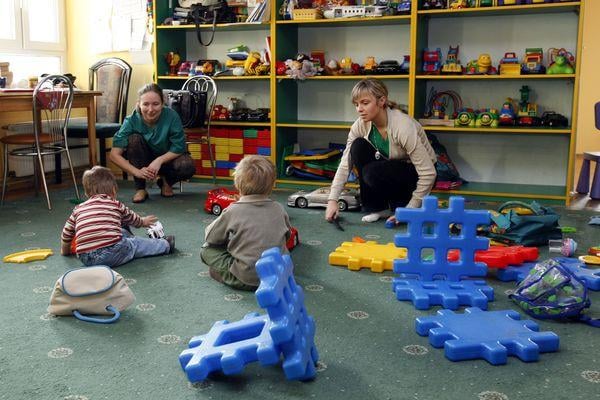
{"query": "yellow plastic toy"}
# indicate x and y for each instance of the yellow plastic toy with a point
(28, 255)
(377, 257)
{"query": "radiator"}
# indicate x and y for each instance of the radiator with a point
(23, 166)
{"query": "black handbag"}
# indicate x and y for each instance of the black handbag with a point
(190, 105)
(210, 12)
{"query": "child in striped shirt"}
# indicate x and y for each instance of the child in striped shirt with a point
(100, 226)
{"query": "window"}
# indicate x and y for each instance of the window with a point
(32, 37)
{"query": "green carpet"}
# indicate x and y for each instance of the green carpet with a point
(366, 338)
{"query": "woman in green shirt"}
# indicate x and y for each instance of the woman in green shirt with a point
(151, 144)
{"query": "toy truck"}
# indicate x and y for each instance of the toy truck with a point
(532, 63)
(509, 65)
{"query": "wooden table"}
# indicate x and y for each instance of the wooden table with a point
(23, 101)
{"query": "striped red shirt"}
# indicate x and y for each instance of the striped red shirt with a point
(97, 222)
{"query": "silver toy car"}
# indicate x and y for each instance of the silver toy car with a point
(349, 199)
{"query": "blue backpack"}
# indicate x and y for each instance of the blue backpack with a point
(551, 291)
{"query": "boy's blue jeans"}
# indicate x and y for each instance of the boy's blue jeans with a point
(127, 249)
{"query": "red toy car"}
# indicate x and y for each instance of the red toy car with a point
(219, 199)
(294, 239)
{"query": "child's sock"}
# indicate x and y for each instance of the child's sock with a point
(376, 216)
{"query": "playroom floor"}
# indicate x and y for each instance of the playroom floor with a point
(366, 338)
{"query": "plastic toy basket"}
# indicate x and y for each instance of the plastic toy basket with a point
(307, 14)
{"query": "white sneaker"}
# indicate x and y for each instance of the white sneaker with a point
(376, 216)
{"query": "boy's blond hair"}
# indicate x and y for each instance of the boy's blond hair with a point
(254, 175)
(99, 180)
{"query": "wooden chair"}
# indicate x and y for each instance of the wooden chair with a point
(201, 135)
(112, 77)
(52, 101)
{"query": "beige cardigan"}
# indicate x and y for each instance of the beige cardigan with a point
(408, 141)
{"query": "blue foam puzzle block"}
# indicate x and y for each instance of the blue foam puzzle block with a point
(514, 273)
(441, 240)
(292, 329)
(228, 347)
(589, 277)
(491, 335)
(450, 295)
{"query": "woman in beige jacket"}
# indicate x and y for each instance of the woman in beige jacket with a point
(390, 150)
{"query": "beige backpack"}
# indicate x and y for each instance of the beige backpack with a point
(89, 291)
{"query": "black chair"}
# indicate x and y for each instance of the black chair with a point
(111, 76)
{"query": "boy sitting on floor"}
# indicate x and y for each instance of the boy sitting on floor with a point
(100, 226)
(251, 225)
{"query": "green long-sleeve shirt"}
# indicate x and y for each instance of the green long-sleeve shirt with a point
(166, 135)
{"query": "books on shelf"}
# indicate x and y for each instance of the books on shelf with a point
(260, 13)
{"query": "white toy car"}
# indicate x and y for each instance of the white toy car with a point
(349, 199)
(156, 231)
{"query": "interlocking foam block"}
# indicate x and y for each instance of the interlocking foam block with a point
(286, 330)
(589, 277)
(292, 329)
(228, 347)
(377, 257)
(491, 335)
(516, 274)
(449, 295)
(501, 257)
(420, 220)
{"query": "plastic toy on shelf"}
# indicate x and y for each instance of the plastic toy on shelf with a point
(532, 63)
(560, 65)
(433, 4)
(527, 114)
(465, 118)
(507, 114)
(481, 66)
(319, 164)
(509, 64)
(452, 65)
(487, 118)
(554, 120)
(432, 61)
(458, 4)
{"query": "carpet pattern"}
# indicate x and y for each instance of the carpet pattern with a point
(366, 338)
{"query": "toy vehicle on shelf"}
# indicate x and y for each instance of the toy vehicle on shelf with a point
(465, 118)
(404, 7)
(219, 199)
(554, 120)
(509, 64)
(389, 67)
(458, 4)
(532, 63)
(355, 11)
(432, 61)
(349, 198)
(433, 4)
(487, 118)
(259, 115)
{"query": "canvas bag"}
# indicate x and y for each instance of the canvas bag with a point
(190, 105)
(97, 290)
(527, 230)
(552, 291)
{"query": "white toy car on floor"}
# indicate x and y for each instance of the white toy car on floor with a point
(349, 199)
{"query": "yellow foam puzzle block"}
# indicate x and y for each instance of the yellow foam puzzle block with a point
(377, 257)
(28, 255)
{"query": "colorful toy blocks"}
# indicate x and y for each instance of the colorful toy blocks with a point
(287, 331)
(441, 241)
(491, 335)
(376, 257)
(450, 295)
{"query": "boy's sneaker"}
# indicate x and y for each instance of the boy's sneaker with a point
(171, 240)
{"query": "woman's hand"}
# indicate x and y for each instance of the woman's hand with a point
(145, 173)
(332, 210)
(155, 166)
(148, 220)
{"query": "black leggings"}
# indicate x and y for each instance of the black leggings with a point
(140, 155)
(384, 184)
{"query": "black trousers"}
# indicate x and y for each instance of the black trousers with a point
(140, 155)
(384, 184)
